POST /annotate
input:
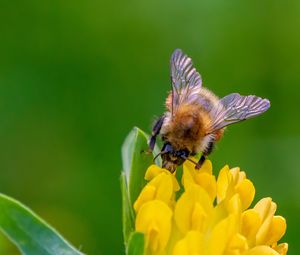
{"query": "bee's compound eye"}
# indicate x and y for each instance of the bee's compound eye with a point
(167, 148)
(186, 153)
(182, 154)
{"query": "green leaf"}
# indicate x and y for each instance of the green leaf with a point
(136, 160)
(30, 233)
(127, 215)
(136, 244)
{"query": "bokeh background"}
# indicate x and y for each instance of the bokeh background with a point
(76, 76)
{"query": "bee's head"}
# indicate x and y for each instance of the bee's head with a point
(172, 158)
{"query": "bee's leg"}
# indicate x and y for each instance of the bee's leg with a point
(205, 153)
(155, 131)
(200, 162)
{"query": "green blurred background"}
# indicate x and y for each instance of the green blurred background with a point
(76, 76)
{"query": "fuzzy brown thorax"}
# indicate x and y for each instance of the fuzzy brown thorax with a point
(187, 127)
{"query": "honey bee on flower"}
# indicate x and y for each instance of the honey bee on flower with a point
(196, 118)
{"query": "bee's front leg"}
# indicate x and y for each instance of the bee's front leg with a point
(155, 132)
(200, 162)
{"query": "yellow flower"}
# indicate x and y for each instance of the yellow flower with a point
(210, 217)
(161, 186)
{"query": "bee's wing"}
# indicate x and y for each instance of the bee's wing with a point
(234, 108)
(186, 81)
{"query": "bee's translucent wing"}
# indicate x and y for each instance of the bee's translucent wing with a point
(186, 81)
(234, 108)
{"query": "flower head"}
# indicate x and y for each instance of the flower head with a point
(210, 217)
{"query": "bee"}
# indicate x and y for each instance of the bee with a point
(195, 118)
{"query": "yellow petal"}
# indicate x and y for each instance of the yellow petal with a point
(198, 217)
(188, 177)
(176, 186)
(160, 187)
(205, 168)
(237, 175)
(234, 205)
(221, 234)
(202, 177)
(235, 172)
(207, 182)
(265, 207)
(247, 191)
(188, 165)
(191, 244)
(223, 181)
(250, 224)
(276, 231)
(263, 231)
(242, 176)
(261, 250)
(154, 220)
(185, 207)
(155, 170)
(164, 187)
(147, 194)
(238, 243)
(281, 248)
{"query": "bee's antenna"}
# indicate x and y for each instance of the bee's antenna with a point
(192, 161)
(161, 153)
(187, 158)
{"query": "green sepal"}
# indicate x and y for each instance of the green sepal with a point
(136, 159)
(136, 244)
(127, 211)
(29, 232)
